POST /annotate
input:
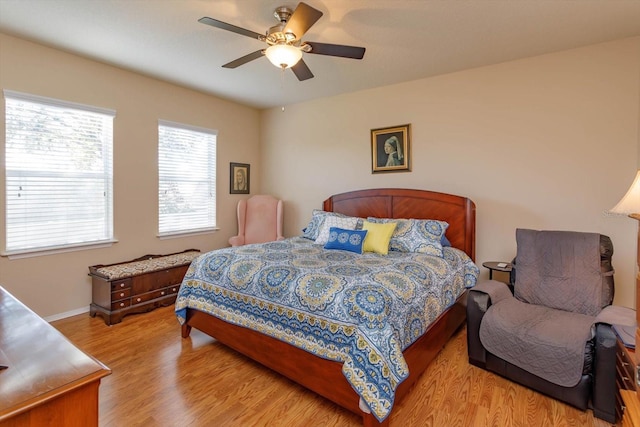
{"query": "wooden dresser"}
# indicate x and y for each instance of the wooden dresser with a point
(625, 379)
(137, 286)
(48, 382)
(631, 399)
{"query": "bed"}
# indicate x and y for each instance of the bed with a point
(336, 369)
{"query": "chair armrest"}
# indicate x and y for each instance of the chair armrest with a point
(496, 290)
(477, 305)
(604, 374)
(479, 300)
(617, 315)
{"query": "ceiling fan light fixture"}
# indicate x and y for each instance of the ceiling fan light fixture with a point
(285, 46)
(283, 55)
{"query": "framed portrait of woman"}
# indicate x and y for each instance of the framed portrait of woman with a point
(390, 149)
(239, 178)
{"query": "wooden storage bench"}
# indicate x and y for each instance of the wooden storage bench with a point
(139, 285)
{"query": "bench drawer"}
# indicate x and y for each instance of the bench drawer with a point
(154, 282)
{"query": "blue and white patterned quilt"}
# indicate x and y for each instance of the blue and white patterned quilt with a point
(362, 310)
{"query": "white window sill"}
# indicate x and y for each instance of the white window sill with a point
(178, 234)
(29, 253)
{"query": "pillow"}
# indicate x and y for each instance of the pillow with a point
(317, 217)
(312, 229)
(445, 242)
(416, 235)
(348, 223)
(347, 240)
(378, 236)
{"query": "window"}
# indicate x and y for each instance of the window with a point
(187, 174)
(59, 179)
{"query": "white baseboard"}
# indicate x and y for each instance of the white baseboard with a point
(66, 314)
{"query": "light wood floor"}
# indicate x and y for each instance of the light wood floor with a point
(160, 379)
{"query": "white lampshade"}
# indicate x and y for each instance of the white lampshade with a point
(283, 55)
(630, 203)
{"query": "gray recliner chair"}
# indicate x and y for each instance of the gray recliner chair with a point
(553, 333)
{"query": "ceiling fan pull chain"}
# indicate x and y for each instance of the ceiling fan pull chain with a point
(282, 83)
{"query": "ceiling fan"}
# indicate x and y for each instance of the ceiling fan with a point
(284, 39)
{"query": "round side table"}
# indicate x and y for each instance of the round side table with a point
(493, 266)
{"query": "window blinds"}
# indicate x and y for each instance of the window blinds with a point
(187, 178)
(59, 174)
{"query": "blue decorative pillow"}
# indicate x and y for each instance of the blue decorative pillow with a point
(346, 223)
(445, 242)
(312, 230)
(416, 235)
(347, 240)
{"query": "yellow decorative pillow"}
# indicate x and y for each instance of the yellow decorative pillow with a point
(378, 237)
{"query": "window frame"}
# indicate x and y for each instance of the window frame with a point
(211, 168)
(107, 174)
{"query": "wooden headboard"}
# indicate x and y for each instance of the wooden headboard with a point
(459, 212)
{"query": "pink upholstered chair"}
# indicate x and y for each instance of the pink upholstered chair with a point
(259, 220)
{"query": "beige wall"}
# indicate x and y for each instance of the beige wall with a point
(57, 284)
(549, 142)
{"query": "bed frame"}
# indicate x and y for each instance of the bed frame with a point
(325, 376)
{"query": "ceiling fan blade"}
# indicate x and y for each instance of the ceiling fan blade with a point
(340, 50)
(302, 71)
(229, 27)
(243, 60)
(301, 20)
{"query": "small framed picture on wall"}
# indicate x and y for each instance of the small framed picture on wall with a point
(390, 149)
(239, 178)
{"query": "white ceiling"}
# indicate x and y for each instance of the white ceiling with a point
(405, 39)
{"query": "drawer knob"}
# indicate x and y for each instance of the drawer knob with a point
(162, 293)
(138, 299)
(122, 285)
(173, 289)
(121, 304)
(121, 294)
